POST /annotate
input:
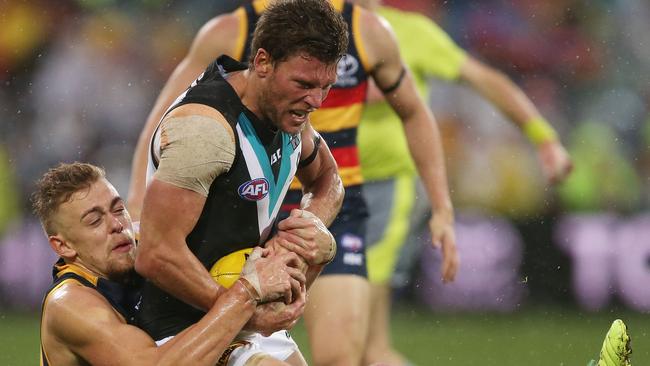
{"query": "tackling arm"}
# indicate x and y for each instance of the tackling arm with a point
(81, 322)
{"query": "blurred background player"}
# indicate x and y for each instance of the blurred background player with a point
(390, 174)
(89, 311)
(220, 164)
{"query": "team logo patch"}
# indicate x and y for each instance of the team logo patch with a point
(254, 190)
(346, 71)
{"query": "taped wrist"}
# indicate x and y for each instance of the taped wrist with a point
(250, 289)
(249, 273)
(539, 131)
(332, 253)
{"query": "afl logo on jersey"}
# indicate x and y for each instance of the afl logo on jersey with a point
(254, 190)
(346, 71)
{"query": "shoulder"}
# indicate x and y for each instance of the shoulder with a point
(72, 312)
(224, 25)
(202, 117)
(370, 22)
(377, 37)
(221, 34)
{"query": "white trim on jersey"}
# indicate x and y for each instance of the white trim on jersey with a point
(264, 219)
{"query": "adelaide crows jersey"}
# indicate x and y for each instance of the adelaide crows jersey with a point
(338, 117)
(122, 298)
(242, 204)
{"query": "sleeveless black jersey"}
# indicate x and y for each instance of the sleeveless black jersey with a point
(124, 299)
(242, 204)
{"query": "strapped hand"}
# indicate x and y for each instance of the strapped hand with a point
(305, 234)
(273, 277)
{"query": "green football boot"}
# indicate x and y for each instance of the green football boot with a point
(616, 348)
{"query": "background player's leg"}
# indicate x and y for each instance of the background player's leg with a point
(379, 348)
(390, 205)
(337, 319)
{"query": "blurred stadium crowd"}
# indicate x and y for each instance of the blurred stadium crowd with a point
(79, 77)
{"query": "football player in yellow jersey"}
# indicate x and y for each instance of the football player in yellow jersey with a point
(389, 171)
(88, 313)
(337, 311)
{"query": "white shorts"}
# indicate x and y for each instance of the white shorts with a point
(278, 345)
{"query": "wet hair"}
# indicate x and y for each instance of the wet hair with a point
(57, 185)
(290, 27)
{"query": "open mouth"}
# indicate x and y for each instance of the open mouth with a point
(300, 115)
(123, 246)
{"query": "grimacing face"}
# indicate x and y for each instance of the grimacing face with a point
(295, 88)
(95, 225)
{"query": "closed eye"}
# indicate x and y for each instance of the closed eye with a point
(304, 84)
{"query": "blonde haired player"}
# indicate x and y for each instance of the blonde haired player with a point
(89, 311)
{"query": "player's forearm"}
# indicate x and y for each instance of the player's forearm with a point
(204, 342)
(163, 254)
(426, 149)
(324, 196)
(497, 88)
(312, 273)
(178, 273)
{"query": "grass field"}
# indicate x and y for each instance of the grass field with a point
(539, 336)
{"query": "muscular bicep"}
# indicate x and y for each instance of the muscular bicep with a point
(389, 72)
(383, 56)
(194, 150)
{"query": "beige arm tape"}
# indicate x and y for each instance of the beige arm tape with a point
(194, 150)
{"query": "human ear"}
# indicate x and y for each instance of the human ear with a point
(262, 62)
(62, 247)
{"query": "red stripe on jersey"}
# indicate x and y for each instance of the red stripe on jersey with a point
(340, 97)
(346, 156)
(287, 207)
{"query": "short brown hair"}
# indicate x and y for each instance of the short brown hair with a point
(288, 27)
(58, 185)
